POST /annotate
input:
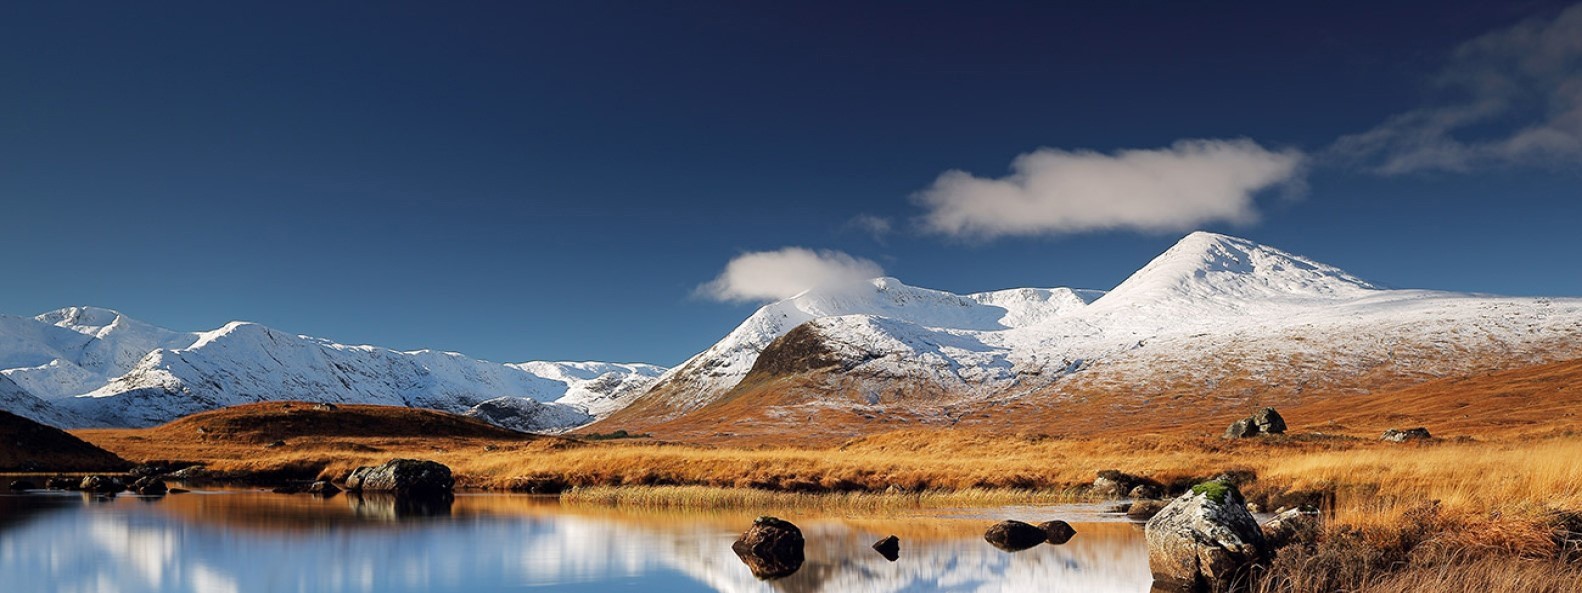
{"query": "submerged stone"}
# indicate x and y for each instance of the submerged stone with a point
(771, 548)
(889, 547)
(1057, 532)
(1013, 536)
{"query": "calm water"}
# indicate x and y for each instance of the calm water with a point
(235, 541)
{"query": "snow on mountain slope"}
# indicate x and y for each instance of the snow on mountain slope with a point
(99, 367)
(18, 401)
(74, 350)
(1210, 310)
(719, 368)
(528, 415)
(598, 388)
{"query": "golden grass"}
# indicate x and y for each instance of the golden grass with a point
(1452, 515)
(712, 498)
(1373, 481)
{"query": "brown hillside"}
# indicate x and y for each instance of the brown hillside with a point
(27, 446)
(811, 405)
(299, 440)
(278, 421)
(1539, 399)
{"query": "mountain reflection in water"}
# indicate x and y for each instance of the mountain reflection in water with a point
(263, 542)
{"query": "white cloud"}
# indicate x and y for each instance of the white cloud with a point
(1524, 81)
(774, 275)
(1057, 191)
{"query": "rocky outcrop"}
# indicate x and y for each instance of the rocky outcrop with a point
(150, 486)
(771, 548)
(101, 485)
(1401, 436)
(889, 547)
(1205, 539)
(1116, 484)
(323, 488)
(403, 477)
(1057, 532)
(1266, 421)
(1146, 492)
(1013, 536)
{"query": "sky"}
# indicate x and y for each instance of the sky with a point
(627, 181)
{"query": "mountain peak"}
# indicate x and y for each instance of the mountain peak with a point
(81, 317)
(1210, 266)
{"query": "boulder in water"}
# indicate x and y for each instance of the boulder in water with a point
(889, 547)
(150, 486)
(771, 548)
(101, 485)
(1013, 536)
(1057, 532)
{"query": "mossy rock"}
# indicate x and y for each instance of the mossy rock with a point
(1216, 490)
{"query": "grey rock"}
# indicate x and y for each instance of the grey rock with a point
(101, 485)
(1242, 429)
(150, 486)
(1266, 421)
(403, 477)
(1116, 483)
(1205, 539)
(1146, 492)
(1411, 434)
(1269, 421)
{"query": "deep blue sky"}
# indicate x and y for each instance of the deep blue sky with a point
(551, 181)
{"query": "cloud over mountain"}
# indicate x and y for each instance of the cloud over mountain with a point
(775, 275)
(1051, 191)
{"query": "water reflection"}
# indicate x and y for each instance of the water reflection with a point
(255, 542)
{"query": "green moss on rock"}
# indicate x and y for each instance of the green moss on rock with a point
(1215, 490)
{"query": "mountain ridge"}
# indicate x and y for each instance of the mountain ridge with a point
(91, 366)
(1213, 316)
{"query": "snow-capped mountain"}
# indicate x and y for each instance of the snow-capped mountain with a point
(714, 371)
(18, 401)
(1212, 315)
(95, 366)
